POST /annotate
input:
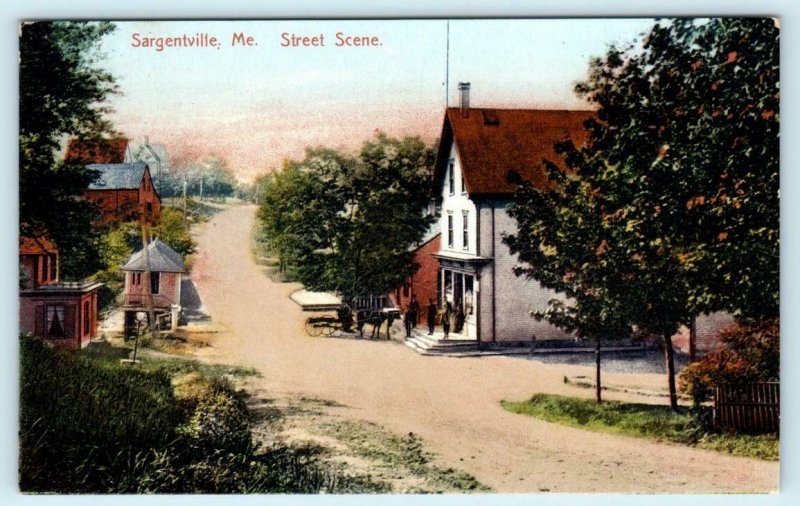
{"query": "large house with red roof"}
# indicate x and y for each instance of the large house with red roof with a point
(478, 150)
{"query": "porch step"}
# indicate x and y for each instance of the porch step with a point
(424, 344)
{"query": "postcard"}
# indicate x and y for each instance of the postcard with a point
(459, 256)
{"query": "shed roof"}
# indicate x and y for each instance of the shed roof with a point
(493, 142)
(162, 258)
(118, 176)
(97, 150)
(36, 245)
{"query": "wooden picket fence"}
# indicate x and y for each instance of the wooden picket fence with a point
(754, 408)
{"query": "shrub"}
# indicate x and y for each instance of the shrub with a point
(749, 353)
(173, 230)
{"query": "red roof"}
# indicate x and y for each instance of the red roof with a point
(36, 246)
(493, 142)
(97, 150)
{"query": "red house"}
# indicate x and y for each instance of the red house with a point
(425, 282)
(124, 192)
(64, 314)
(164, 287)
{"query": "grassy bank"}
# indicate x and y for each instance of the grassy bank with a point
(688, 426)
(89, 424)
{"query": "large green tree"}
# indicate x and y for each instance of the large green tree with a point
(682, 158)
(348, 224)
(62, 94)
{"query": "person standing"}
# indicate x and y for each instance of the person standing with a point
(431, 316)
(414, 310)
(407, 320)
(447, 314)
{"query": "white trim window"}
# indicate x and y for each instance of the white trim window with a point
(451, 177)
(465, 230)
(450, 229)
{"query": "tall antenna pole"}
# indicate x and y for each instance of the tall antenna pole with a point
(447, 70)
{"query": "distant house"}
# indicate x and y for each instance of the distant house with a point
(164, 288)
(98, 150)
(123, 192)
(477, 151)
(64, 314)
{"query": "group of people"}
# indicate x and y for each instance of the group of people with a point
(449, 317)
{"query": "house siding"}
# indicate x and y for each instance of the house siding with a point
(515, 297)
(77, 336)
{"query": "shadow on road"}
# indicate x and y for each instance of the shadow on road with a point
(191, 304)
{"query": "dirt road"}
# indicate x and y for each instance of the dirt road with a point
(453, 404)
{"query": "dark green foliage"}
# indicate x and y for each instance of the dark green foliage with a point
(173, 230)
(81, 424)
(749, 353)
(347, 224)
(686, 426)
(92, 425)
(62, 93)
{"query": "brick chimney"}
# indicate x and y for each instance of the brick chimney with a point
(463, 90)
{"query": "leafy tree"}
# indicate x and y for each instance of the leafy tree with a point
(173, 230)
(62, 93)
(682, 158)
(347, 224)
(565, 248)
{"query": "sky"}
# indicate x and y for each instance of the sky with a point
(258, 101)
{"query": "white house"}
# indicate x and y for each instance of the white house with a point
(477, 151)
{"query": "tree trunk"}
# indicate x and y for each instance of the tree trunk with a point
(669, 358)
(597, 388)
(692, 338)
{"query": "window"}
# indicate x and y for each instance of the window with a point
(451, 182)
(468, 294)
(136, 278)
(55, 321)
(449, 229)
(155, 281)
(465, 237)
(463, 184)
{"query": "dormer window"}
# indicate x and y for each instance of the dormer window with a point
(451, 182)
(463, 184)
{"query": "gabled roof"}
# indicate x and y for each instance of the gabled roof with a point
(118, 176)
(162, 258)
(493, 142)
(36, 246)
(97, 150)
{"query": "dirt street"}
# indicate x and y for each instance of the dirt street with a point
(453, 404)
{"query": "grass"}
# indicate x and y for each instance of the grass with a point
(658, 423)
(370, 441)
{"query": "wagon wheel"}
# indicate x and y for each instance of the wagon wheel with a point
(327, 327)
(312, 327)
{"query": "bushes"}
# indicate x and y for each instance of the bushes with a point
(83, 425)
(94, 426)
(750, 353)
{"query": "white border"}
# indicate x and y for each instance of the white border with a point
(788, 11)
